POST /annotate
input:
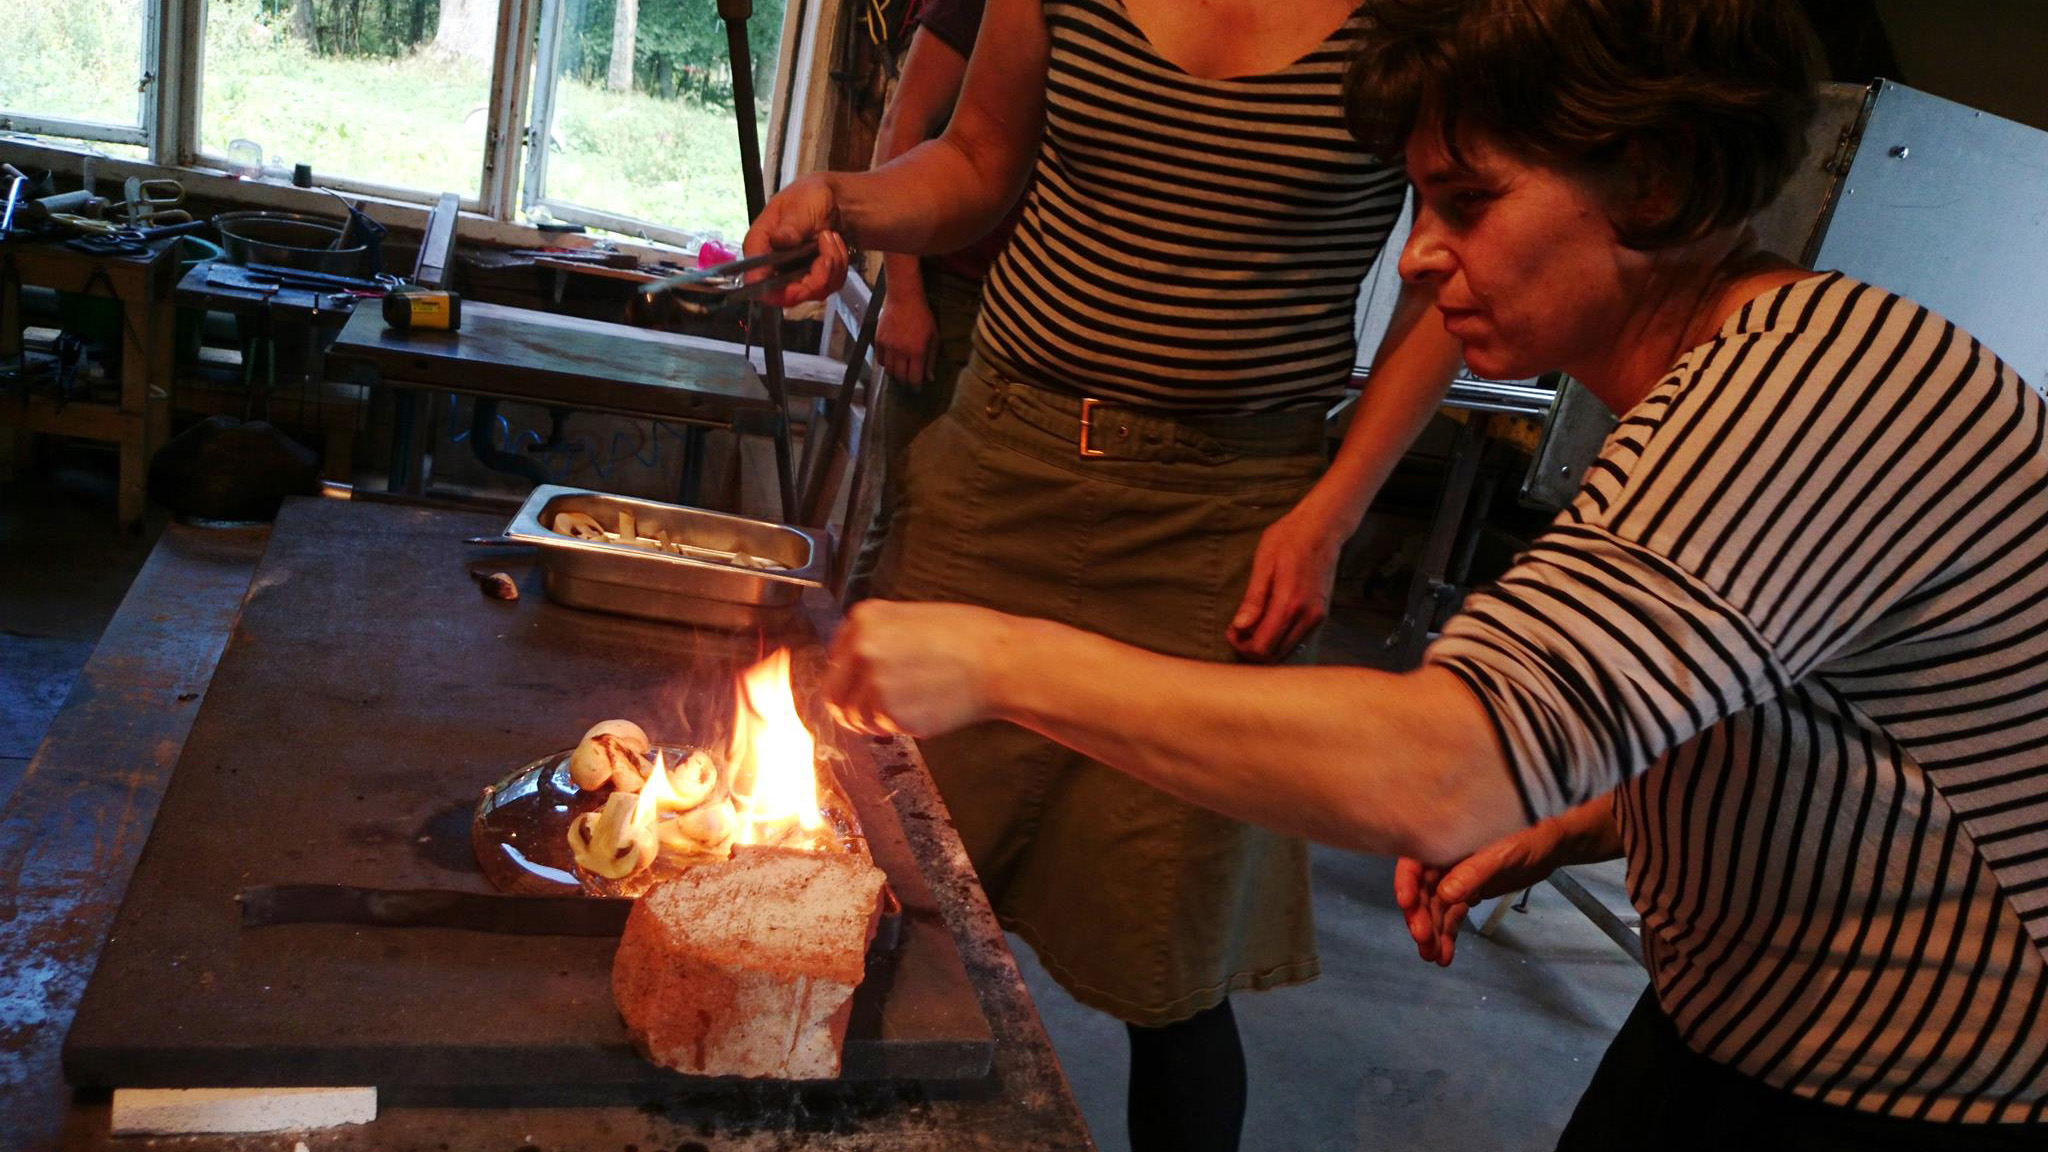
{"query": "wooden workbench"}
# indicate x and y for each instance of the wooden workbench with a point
(69, 840)
(517, 354)
(140, 421)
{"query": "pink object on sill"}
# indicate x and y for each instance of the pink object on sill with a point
(712, 253)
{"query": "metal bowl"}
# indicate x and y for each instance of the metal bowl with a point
(285, 240)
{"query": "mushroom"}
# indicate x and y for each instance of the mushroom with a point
(581, 525)
(610, 842)
(613, 750)
(693, 781)
(496, 585)
(705, 828)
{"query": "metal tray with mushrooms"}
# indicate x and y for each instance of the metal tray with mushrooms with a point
(660, 561)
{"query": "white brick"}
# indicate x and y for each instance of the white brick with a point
(175, 1111)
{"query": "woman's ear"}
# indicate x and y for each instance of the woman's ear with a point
(1648, 185)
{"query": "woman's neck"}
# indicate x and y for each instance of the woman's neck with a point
(1689, 295)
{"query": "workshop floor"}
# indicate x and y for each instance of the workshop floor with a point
(1383, 1052)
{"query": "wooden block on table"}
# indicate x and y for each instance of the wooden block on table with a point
(747, 967)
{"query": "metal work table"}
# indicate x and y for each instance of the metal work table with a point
(140, 420)
(533, 357)
(71, 836)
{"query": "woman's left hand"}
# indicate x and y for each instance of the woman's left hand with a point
(1289, 593)
(917, 669)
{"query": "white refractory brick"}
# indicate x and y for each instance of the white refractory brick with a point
(178, 1111)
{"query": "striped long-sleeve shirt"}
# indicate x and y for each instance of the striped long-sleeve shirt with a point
(1799, 615)
(1188, 244)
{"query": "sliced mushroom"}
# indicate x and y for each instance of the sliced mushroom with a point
(580, 525)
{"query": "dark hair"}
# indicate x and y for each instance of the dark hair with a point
(1706, 99)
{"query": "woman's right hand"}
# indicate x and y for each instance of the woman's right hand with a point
(806, 208)
(1434, 900)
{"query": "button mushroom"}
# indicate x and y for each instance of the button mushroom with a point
(612, 751)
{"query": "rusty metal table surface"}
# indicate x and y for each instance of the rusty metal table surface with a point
(70, 837)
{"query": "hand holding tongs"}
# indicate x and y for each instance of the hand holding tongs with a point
(726, 283)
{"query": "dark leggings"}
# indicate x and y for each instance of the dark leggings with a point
(1187, 1084)
(1651, 1091)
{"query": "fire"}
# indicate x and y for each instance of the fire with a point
(772, 757)
(656, 796)
(766, 792)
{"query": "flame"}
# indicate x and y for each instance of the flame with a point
(656, 796)
(772, 757)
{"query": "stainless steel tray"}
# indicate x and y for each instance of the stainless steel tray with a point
(697, 580)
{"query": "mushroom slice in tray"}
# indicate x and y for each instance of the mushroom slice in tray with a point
(579, 525)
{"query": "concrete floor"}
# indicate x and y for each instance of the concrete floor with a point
(1383, 1052)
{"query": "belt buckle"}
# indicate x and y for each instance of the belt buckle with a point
(1088, 406)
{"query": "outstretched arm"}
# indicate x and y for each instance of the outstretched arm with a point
(1400, 764)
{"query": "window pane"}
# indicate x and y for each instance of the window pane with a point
(390, 92)
(73, 60)
(656, 140)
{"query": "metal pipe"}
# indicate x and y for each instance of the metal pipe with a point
(735, 13)
(822, 449)
(483, 421)
(1597, 912)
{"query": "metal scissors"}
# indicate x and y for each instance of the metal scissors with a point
(107, 238)
(151, 202)
(722, 284)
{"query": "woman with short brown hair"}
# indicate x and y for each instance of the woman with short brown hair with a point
(1782, 651)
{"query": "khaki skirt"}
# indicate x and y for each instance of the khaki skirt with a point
(1139, 904)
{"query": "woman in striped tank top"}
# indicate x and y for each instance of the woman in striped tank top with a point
(1137, 447)
(1783, 651)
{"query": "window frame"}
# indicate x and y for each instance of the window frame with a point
(97, 131)
(174, 51)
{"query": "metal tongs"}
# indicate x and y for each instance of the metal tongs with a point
(726, 283)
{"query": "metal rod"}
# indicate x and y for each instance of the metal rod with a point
(735, 13)
(1597, 912)
(783, 260)
(840, 411)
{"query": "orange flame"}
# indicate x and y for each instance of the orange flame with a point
(656, 796)
(773, 758)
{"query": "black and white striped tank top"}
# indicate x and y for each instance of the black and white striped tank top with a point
(1188, 244)
(1798, 614)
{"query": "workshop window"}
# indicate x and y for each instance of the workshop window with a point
(81, 70)
(632, 118)
(628, 123)
(389, 92)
